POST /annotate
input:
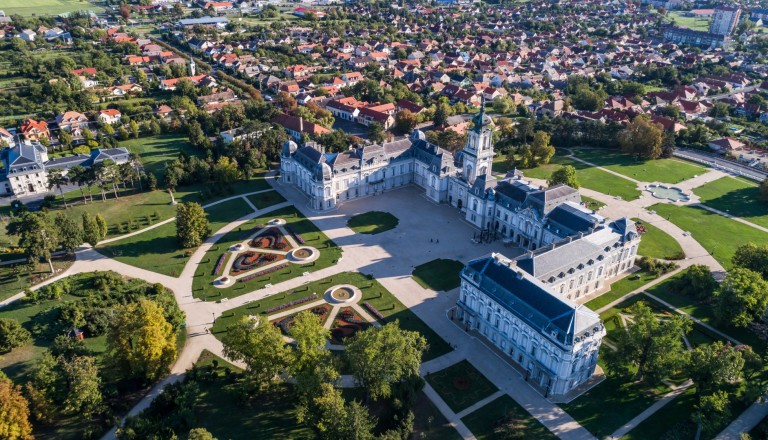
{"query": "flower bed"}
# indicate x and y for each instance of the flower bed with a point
(291, 304)
(220, 264)
(252, 260)
(271, 238)
(374, 312)
(263, 272)
(295, 235)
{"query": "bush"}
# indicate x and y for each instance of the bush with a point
(697, 282)
(656, 267)
(12, 335)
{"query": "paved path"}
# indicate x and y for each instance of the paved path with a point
(621, 432)
(745, 422)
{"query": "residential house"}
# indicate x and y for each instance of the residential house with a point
(72, 122)
(297, 126)
(110, 116)
(725, 145)
(34, 130)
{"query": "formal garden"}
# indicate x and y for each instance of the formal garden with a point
(374, 222)
(438, 275)
(64, 344)
(373, 301)
(311, 251)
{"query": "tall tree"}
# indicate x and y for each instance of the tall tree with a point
(383, 356)
(753, 257)
(376, 133)
(70, 233)
(200, 433)
(405, 121)
(91, 229)
(192, 225)
(566, 175)
(141, 342)
(57, 179)
(83, 396)
(763, 194)
(541, 149)
(261, 347)
(697, 282)
(653, 346)
(37, 236)
(742, 298)
(77, 175)
(442, 111)
(642, 138)
(332, 418)
(14, 412)
(225, 171)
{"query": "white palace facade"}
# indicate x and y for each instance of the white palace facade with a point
(571, 251)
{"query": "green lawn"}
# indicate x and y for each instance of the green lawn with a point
(373, 222)
(267, 199)
(485, 421)
(47, 7)
(695, 23)
(14, 280)
(440, 274)
(620, 288)
(329, 255)
(592, 203)
(612, 403)
(156, 151)
(736, 197)
(588, 177)
(157, 249)
(659, 170)
(461, 385)
(373, 292)
(656, 243)
(671, 418)
(719, 235)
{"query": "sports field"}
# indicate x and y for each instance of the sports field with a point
(47, 7)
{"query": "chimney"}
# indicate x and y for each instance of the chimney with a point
(301, 125)
(519, 274)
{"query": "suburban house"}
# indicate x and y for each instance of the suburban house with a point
(725, 145)
(34, 130)
(73, 122)
(296, 126)
(110, 116)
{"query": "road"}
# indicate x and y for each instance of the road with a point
(722, 164)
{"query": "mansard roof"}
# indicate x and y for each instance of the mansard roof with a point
(556, 318)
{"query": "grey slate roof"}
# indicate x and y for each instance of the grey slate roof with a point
(556, 318)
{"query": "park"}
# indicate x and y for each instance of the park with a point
(270, 259)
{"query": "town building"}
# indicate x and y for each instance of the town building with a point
(725, 20)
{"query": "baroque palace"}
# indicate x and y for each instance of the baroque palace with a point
(525, 306)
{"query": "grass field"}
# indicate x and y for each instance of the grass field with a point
(588, 177)
(373, 292)
(13, 281)
(266, 199)
(461, 385)
(157, 249)
(719, 235)
(440, 274)
(374, 222)
(695, 23)
(329, 255)
(625, 400)
(659, 170)
(656, 243)
(484, 421)
(156, 151)
(735, 197)
(47, 7)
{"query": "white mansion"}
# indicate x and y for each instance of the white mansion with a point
(525, 306)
